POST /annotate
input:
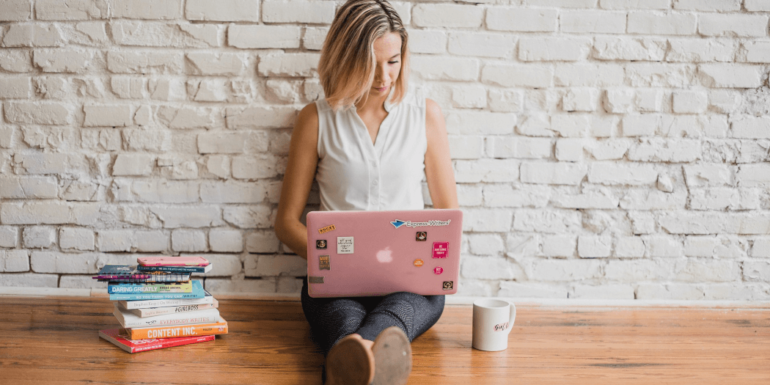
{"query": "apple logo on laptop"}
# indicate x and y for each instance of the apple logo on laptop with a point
(385, 256)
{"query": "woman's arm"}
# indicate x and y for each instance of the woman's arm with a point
(438, 165)
(300, 171)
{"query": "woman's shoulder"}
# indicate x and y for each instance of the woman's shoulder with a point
(415, 96)
(307, 122)
(309, 113)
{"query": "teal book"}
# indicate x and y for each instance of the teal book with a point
(197, 292)
(149, 288)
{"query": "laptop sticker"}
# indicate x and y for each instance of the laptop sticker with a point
(398, 223)
(440, 249)
(316, 279)
(438, 270)
(326, 229)
(449, 285)
(320, 244)
(323, 263)
(421, 236)
(418, 262)
(385, 255)
(345, 245)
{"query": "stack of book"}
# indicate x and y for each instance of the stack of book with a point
(158, 306)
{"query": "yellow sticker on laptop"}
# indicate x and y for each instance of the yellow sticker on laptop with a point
(326, 229)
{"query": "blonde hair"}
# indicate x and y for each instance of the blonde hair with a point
(347, 63)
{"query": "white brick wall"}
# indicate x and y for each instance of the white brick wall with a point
(612, 149)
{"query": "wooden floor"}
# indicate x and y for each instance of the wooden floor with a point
(54, 340)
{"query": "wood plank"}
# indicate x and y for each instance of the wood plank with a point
(49, 339)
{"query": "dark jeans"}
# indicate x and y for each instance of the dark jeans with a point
(331, 319)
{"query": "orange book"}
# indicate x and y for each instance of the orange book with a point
(209, 329)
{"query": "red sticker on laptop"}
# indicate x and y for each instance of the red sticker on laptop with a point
(440, 249)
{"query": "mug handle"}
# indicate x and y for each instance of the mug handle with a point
(511, 318)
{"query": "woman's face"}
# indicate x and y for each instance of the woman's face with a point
(387, 51)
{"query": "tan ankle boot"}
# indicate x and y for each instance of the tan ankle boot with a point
(392, 357)
(349, 362)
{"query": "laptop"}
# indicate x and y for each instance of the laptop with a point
(375, 253)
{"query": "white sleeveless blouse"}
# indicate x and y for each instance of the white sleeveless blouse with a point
(354, 174)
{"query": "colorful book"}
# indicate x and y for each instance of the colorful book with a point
(126, 273)
(197, 292)
(156, 311)
(143, 304)
(147, 288)
(117, 271)
(177, 269)
(178, 331)
(172, 261)
(128, 320)
(134, 346)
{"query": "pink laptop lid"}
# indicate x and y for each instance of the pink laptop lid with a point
(368, 253)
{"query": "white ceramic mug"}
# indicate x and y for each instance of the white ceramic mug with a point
(492, 321)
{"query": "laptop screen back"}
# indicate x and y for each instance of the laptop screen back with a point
(369, 253)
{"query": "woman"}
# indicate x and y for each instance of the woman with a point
(364, 71)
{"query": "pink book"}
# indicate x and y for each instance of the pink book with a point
(134, 346)
(172, 261)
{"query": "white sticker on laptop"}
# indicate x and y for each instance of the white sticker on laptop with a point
(344, 245)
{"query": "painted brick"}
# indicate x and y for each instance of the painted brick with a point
(73, 238)
(15, 10)
(700, 50)
(71, 9)
(756, 5)
(655, 23)
(594, 246)
(263, 36)
(592, 22)
(39, 237)
(505, 195)
(146, 9)
(603, 292)
(715, 24)
(275, 265)
(478, 44)
(516, 75)
(635, 4)
(522, 20)
(225, 10)
(188, 240)
(445, 68)
(553, 49)
(447, 15)
(297, 11)
(729, 76)
(425, 41)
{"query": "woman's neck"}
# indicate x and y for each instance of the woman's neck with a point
(372, 104)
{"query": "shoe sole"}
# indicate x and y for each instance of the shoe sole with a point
(349, 362)
(392, 357)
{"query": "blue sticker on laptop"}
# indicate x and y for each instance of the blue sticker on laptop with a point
(398, 223)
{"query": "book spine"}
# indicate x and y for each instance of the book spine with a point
(152, 312)
(134, 297)
(189, 319)
(130, 305)
(147, 288)
(170, 343)
(173, 264)
(179, 269)
(176, 278)
(177, 331)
